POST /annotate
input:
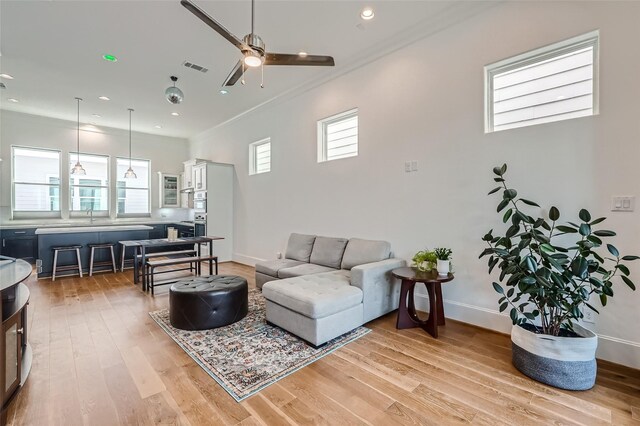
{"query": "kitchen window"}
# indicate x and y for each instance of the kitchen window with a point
(133, 194)
(338, 136)
(89, 192)
(553, 83)
(260, 157)
(35, 182)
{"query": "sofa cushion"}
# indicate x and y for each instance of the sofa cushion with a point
(314, 296)
(328, 251)
(271, 267)
(359, 252)
(303, 269)
(299, 247)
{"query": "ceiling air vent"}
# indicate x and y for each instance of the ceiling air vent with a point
(195, 66)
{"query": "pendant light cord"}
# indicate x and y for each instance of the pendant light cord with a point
(130, 111)
(253, 12)
(78, 152)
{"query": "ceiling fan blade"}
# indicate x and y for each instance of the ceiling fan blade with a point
(294, 59)
(204, 17)
(234, 75)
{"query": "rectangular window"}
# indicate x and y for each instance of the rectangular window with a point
(89, 191)
(338, 136)
(133, 194)
(553, 83)
(36, 182)
(260, 157)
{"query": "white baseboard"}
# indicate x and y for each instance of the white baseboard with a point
(245, 259)
(610, 348)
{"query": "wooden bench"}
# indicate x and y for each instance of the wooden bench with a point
(141, 267)
(193, 262)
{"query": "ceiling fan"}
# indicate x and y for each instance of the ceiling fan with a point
(253, 48)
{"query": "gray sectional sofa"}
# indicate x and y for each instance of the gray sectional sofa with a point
(325, 287)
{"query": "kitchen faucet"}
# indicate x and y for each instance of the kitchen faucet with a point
(90, 212)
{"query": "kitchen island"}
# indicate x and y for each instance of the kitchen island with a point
(53, 237)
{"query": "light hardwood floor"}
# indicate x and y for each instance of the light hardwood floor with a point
(99, 359)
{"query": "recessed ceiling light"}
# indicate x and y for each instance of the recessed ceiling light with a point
(367, 13)
(14, 100)
(158, 127)
(223, 91)
(109, 58)
(7, 76)
(104, 98)
(302, 54)
(96, 115)
(175, 114)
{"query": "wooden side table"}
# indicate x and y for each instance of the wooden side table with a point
(407, 316)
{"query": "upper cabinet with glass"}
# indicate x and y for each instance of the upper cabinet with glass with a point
(169, 190)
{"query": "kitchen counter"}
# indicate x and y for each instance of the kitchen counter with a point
(82, 229)
(58, 223)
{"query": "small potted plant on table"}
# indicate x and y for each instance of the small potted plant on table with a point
(548, 285)
(424, 260)
(444, 259)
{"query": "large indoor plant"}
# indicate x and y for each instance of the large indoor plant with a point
(549, 273)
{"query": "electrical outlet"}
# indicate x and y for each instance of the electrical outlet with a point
(589, 315)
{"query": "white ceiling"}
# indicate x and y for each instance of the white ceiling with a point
(54, 50)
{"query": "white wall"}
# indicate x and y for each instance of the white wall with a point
(166, 154)
(425, 103)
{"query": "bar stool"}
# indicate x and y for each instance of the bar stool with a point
(95, 247)
(56, 250)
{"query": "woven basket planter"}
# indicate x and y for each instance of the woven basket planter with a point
(563, 362)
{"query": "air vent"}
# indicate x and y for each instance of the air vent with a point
(195, 66)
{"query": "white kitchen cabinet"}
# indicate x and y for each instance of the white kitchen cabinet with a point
(187, 181)
(200, 177)
(169, 190)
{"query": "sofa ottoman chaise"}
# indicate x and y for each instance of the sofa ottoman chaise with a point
(319, 306)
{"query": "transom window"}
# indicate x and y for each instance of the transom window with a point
(260, 157)
(133, 194)
(553, 83)
(338, 136)
(36, 182)
(91, 191)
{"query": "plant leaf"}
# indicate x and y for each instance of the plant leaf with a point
(566, 229)
(597, 221)
(629, 258)
(614, 251)
(628, 282)
(509, 194)
(554, 213)
(623, 269)
(514, 315)
(503, 204)
(507, 215)
(603, 233)
(498, 288)
(494, 190)
(584, 215)
(603, 299)
(529, 203)
(585, 229)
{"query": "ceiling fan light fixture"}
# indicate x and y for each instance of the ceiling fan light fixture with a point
(367, 13)
(252, 59)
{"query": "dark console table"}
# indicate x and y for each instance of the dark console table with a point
(16, 352)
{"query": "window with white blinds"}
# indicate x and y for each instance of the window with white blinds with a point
(553, 83)
(260, 157)
(338, 136)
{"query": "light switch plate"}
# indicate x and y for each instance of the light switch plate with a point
(407, 166)
(623, 203)
(414, 166)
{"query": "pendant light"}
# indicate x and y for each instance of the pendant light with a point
(78, 169)
(130, 173)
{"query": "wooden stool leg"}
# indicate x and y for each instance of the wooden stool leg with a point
(55, 264)
(124, 248)
(113, 260)
(91, 261)
(79, 262)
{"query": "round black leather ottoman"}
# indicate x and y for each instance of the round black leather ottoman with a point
(201, 303)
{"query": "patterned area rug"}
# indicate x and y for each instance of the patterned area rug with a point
(249, 355)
